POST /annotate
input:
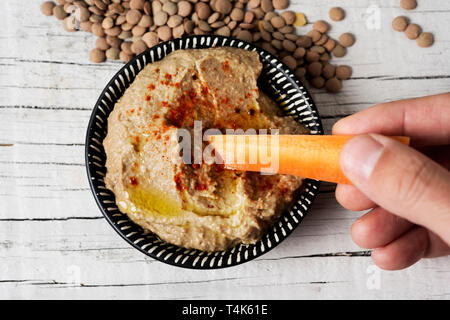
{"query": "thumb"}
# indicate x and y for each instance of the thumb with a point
(401, 180)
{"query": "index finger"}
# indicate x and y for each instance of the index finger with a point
(426, 120)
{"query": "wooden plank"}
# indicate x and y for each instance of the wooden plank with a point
(332, 277)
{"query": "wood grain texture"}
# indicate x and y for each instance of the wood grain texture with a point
(54, 242)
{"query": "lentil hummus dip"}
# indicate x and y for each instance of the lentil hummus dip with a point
(199, 206)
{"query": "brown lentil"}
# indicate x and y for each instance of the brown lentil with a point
(343, 72)
(97, 55)
(112, 53)
(323, 39)
(291, 36)
(287, 29)
(128, 27)
(126, 47)
(224, 31)
(223, 6)
(321, 26)
(314, 35)
(114, 42)
(178, 31)
(184, 8)
(315, 69)
(170, 8)
(339, 51)
(98, 30)
(347, 40)
(328, 71)
(237, 14)
(203, 10)
(312, 56)
(146, 21)
(288, 45)
(86, 26)
(133, 16)
(248, 17)
(164, 33)
(266, 5)
(425, 40)
(400, 24)
(304, 41)
(277, 22)
(289, 17)
(160, 18)
(336, 14)
(333, 85)
(269, 15)
(408, 4)
(137, 4)
(413, 31)
(59, 13)
(47, 8)
(138, 47)
(253, 4)
(330, 45)
(290, 62)
(244, 35)
(318, 82)
(280, 4)
(278, 35)
(174, 21)
(299, 53)
(125, 57)
(300, 72)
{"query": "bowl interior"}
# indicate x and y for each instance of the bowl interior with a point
(276, 80)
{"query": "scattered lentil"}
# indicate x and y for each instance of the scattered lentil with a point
(336, 14)
(339, 51)
(97, 55)
(184, 8)
(343, 72)
(47, 8)
(400, 24)
(290, 61)
(318, 82)
(59, 12)
(328, 71)
(321, 26)
(333, 85)
(289, 17)
(138, 47)
(347, 40)
(128, 27)
(413, 31)
(425, 40)
(408, 4)
(280, 4)
(112, 53)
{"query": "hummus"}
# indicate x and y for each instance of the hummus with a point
(195, 206)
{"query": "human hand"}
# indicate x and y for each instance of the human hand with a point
(409, 192)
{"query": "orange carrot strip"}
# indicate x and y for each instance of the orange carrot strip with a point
(307, 156)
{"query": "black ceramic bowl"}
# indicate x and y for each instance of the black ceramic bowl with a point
(276, 80)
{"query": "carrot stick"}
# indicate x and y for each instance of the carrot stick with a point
(306, 156)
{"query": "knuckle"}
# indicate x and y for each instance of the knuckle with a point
(412, 185)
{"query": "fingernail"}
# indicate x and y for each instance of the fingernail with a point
(359, 157)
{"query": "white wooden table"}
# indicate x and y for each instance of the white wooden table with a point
(54, 242)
